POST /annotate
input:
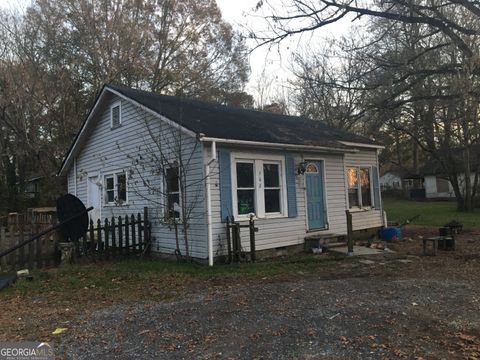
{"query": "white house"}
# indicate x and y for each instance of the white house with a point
(298, 176)
(437, 187)
(391, 181)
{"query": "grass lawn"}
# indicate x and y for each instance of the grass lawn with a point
(432, 213)
(137, 279)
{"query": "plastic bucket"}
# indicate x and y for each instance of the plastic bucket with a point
(390, 234)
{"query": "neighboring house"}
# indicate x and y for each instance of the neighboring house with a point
(391, 181)
(437, 187)
(296, 175)
(32, 186)
(432, 181)
(414, 186)
(436, 182)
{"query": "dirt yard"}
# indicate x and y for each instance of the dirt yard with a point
(390, 306)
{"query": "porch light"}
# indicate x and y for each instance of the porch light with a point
(302, 167)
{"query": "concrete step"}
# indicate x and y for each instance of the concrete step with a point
(315, 241)
(335, 244)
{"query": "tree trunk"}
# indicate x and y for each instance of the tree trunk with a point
(468, 206)
(452, 176)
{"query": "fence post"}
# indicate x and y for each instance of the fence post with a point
(146, 231)
(3, 246)
(251, 227)
(139, 227)
(229, 243)
(30, 248)
(39, 246)
(127, 237)
(236, 242)
(99, 237)
(238, 245)
(21, 228)
(91, 235)
(84, 244)
(49, 246)
(349, 233)
(107, 230)
(12, 258)
(114, 242)
(120, 235)
(132, 223)
(31, 254)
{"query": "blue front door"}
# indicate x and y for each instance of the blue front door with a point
(315, 195)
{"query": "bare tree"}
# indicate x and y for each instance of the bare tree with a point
(164, 172)
(416, 73)
(58, 54)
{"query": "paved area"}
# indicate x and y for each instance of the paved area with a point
(354, 317)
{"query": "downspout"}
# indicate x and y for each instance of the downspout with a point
(209, 203)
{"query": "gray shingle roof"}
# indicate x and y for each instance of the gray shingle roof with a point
(224, 122)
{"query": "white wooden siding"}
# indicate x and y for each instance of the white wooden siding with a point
(71, 182)
(111, 150)
(278, 232)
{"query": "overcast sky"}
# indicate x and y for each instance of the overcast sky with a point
(273, 64)
(268, 65)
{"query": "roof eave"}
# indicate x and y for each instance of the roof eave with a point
(364, 145)
(281, 146)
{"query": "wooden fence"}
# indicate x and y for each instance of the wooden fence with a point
(234, 242)
(116, 237)
(21, 227)
(111, 238)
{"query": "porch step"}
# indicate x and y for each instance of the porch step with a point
(324, 240)
(335, 244)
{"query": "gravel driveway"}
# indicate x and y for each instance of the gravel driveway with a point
(355, 317)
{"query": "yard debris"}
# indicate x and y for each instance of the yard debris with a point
(405, 261)
(408, 221)
(455, 226)
(317, 251)
(23, 272)
(378, 245)
(59, 331)
(333, 316)
(366, 262)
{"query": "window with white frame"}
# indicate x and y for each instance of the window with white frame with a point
(116, 115)
(115, 189)
(245, 187)
(259, 187)
(359, 187)
(272, 195)
(172, 193)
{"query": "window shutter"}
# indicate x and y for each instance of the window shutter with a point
(291, 190)
(376, 189)
(225, 175)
